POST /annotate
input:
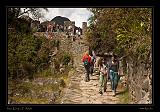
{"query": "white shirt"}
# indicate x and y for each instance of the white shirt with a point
(103, 68)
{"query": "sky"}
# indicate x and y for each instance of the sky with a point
(78, 15)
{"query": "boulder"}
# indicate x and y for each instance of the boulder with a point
(62, 70)
(57, 93)
(62, 83)
(145, 85)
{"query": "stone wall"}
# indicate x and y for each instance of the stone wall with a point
(73, 27)
(139, 79)
(66, 24)
(69, 23)
(84, 27)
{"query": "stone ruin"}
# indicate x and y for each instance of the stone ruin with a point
(66, 25)
(35, 24)
(72, 24)
(69, 27)
(84, 27)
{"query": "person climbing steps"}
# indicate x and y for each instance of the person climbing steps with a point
(103, 76)
(86, 59)
(114, 74)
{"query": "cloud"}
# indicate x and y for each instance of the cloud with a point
(78, 15)
(66, 11)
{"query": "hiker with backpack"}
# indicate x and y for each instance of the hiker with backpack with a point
(114, 74)
(86, 59)
(103, 76)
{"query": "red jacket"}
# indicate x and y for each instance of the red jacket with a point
(86, 57)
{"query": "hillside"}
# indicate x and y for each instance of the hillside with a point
(60, 20)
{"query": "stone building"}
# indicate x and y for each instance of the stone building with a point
(70, 25)
(84, 27)
(73, 27)
(66, 25)
(35, 24)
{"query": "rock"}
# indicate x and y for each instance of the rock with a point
(9, 101)
(52, 101)
(61, 65)
(62, 70)
(61, 83)
(52, 96)
(27, 80)
(46, 94)
(57, 93)
(48, 81)
(70, 63)
(40, 83)
(144, 100)
(10, 92)
(12, 102)
(143, 94)
(145, 85)
(95, 84)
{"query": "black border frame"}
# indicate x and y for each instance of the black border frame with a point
(134, 107)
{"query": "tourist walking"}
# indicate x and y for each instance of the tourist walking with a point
(103, 76)
(86, 59)
(114, 74)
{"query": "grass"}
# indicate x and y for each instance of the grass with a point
(25, 88)
(44, 73)
(30, 100)
(66, 80)
(124, 97)
(25, 91)
(36, 87)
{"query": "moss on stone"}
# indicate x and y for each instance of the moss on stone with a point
(124, 97)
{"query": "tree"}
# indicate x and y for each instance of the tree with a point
(15, 16)
(24, 50)
(35, 12)
(126, 31)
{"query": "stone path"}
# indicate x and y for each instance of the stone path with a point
(81, 92)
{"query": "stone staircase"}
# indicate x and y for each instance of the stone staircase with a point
(78, 91)
(81, 92)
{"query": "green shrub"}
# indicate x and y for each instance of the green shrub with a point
(124, 97)
(55, 43)
(125, 31)
(26, 50)
(66, 59)
(45, 73)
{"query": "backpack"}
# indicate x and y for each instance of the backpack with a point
(86, 62)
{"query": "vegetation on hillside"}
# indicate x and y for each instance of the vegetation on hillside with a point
(28, 54)
(30, 57)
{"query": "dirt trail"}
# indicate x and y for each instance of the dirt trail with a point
(81, 92)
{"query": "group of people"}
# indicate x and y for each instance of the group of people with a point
(54, 28)
(108, 70)
(51, 27)
(72, 31)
